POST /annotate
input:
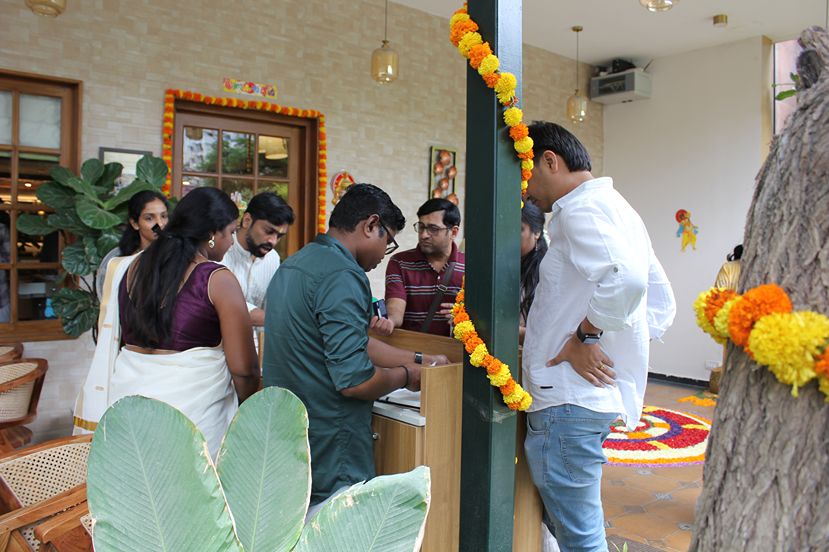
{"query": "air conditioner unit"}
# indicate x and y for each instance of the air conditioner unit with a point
(627, 86)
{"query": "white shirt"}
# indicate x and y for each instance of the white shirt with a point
(254, 273)
(600, 264)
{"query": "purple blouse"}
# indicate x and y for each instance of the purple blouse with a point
(195, 320)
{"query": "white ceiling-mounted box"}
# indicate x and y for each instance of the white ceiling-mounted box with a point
(627, 86)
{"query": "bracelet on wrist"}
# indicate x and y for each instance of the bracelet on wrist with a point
(407, 376)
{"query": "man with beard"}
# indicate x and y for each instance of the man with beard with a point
(421, 283)
(252, 258)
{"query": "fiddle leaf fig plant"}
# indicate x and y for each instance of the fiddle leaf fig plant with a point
(90, 213)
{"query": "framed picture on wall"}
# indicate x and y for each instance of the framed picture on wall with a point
(442, 172)
(128, 158)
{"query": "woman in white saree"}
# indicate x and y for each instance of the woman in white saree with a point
(176, 326)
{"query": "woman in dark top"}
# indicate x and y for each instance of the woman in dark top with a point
(533, 248)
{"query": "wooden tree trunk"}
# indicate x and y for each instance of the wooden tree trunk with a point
(766, 480)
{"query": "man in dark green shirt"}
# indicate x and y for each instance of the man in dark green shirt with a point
(317, 315)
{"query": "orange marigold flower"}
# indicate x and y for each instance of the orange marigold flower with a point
(715, 300)
(519, 131)
(526, 155)
(461, 317)
(461, 28)
(472, 342)
(477, 53)
(492, 79)
(753, 305)
(525, 174)
(822, 364)
(459, 296)
(514, 406)
(494, 367)
(508, 387)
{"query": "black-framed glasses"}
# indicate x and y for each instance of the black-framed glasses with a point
(432, 229)
(390, 247)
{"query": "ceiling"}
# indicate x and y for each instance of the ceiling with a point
(624, 29)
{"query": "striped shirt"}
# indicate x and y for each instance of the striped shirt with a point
(410, 277)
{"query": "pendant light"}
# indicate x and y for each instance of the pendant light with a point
(658, 5)
(384, 58)
(577, 103)
(47, 8)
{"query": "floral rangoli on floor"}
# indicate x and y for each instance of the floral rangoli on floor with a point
(662, 438)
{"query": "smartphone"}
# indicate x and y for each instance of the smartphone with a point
(379, 308)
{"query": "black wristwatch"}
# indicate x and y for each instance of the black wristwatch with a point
(418, 358)
(588, 338)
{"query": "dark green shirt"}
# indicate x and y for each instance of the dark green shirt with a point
(317, 312)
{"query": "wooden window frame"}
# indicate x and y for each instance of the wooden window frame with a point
(71, 93)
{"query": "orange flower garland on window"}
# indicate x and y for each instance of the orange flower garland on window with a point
(793, 345)
(168, 126)
(463, 34)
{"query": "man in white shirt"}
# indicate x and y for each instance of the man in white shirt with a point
(252, 258)
(602, 296)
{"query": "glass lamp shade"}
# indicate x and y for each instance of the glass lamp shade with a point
(48, 8)
(384, 63)
(658, 5)
(577, 107)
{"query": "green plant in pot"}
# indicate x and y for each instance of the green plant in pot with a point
(90, 213)
(152, 486)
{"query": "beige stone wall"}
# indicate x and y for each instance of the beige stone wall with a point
(316, 52)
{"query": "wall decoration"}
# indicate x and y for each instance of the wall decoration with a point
(168, 125)
(442, 172)
(127, 157)
(340, 182)
(687, 231)
(250, 88)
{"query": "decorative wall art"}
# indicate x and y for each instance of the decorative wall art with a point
(340, 182)
(442, 172)
(687, 230)
(250, 88)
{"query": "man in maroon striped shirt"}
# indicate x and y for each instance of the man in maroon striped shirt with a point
(414, 277)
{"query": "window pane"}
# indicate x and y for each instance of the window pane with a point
(5, 117)
(5, 298)
(200, 152)
(273, 156)
(33, 171)
(42, 249)
(39, 121)
(279, 188)
(192, 182)
(237, 152)
(34, 291)
(5, 177)
(239, 190)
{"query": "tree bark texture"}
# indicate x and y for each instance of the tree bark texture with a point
(766, 479)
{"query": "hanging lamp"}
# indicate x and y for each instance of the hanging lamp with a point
(658, 5)
(384, 58)
(47, 8)
(577, 103)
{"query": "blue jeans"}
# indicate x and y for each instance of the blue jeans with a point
(564, 454)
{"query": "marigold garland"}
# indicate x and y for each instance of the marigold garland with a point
(793, 345)
(169, 124)
(463, 34)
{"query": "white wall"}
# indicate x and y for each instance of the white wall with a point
(697, 144)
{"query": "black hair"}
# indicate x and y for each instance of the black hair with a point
(534, 218)
(270, 207)
(451, 213)
(556, 138)
(131, 240)
(737, 254)
(160, 269)
(361, 201)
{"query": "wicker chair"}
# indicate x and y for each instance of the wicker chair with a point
(20, 384)
(10, 352)
(43, 489)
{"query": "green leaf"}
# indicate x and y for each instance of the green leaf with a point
(56, 196)
(386, 514)
(785, 94)
(80, 324)
(61, 175)
(265, 469)
(126, 193)
(68, 219)
(33, 225)
(75, 260)
(151, 485)
(91, 171)
(82, 187)
(91, 250)
(111, 173)
(151, 169)
(93, 216)
(70, 303)
(107, 242)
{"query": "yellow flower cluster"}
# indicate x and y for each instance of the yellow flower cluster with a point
(793, 345)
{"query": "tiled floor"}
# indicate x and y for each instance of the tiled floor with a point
(655, 506)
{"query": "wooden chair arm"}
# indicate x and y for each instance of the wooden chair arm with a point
(61, 524)
(30, 514)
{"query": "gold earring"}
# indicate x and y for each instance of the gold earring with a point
(211, 243)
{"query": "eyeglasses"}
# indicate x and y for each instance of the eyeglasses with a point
(432, 229)
(391, 247)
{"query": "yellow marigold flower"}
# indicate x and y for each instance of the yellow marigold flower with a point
(477, 356)
(488, 65)
(501, 377)
(513, 116)
(507, 83)
(524, 186)
(468, 41)
(523, 145)
(525, 402)
(458, 17)
(463, 328)
(527, 164)
(721, 319)
(789, 343)
(702, 320)
(514, 397)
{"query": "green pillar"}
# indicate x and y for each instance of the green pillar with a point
(492, 232)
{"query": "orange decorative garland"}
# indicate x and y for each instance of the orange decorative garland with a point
(463, 34)
(169, 125)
